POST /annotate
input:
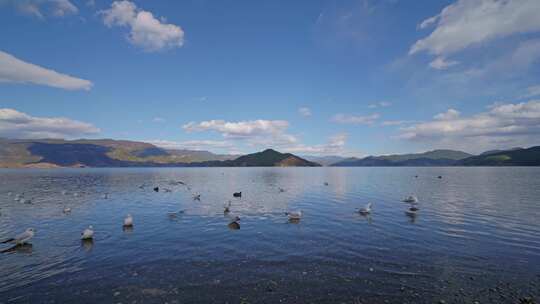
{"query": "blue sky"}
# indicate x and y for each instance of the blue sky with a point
(309, 77)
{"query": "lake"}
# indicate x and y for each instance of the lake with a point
(475, 237)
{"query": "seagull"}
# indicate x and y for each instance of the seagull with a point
(281, 189)
(233, 224)
(197, 197)
(88, 233)
(67, 210)
(105, 196)
(128, 221)
(294, 215)
(411, 199)
(412, 211)
(22, 238)
(227, 208)
(366, 210)
(326, 183)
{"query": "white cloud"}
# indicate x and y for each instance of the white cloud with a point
(382, 104)
(471, 22)
(306, 112)
(448, 115)
(532, 91)
(145, 30)
(240, 129)
(428, 22)
(41, 8)
(207, 145)
(440, 63)
(355, 119)
(505, 125)
(14, 70)
(256, 135)
(334, 146)
(396, 122)
(15, 124)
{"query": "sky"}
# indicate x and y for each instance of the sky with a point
(349, 78)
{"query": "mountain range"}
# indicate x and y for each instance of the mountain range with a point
(430, 158)
(51, 153)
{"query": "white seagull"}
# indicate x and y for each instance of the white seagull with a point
(294, 215)
(22, 238)
(67, 210)
(128, 221)
(88, 233)
(411, 199)
(366, 210)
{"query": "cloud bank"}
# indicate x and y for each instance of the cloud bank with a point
(15, 124)
(14, 70)
(503, 125)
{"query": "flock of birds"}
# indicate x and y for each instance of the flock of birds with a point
(88, 233)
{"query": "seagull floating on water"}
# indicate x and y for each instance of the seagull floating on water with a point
(22, 238)
(294, 215)
(412, 211)
(197, 197)
(366, 210)
(128, 221)
(233, 224)
(88, 233)
(67, 210)
(411, 199)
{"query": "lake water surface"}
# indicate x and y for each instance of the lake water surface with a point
(476, 236)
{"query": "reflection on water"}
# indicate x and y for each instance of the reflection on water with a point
(474, 237)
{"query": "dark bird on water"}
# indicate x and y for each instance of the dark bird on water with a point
(439, 176)
(237, 194)
(156, 189)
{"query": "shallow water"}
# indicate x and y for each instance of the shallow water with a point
(476, 236)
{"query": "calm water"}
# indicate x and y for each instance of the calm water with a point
(475, 238)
